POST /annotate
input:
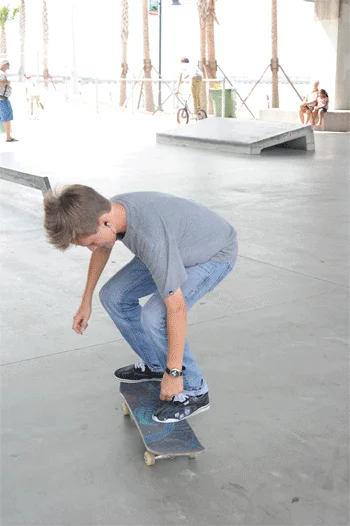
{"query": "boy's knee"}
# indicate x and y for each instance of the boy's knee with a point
(103, 294)
(109, 295)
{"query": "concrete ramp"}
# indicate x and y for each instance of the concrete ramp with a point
(239, 136)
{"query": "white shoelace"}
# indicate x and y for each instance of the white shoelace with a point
(140, 365)
(181, 397)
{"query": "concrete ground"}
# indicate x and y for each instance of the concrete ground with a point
(271, 340)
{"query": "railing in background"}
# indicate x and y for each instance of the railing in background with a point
(99, 93)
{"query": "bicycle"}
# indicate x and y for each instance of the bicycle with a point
(184, 113)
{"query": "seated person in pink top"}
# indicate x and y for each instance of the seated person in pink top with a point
(321, 108)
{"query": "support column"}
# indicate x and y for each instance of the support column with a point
(274, 60)
(342, 78)
(326, 42)
(332, 56)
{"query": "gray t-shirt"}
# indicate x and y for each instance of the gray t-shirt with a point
(169, 233)
(5, 91)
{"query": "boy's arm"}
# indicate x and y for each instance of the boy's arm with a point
(98, 262)
(176, 326)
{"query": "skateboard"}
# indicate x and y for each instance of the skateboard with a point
(161, 440)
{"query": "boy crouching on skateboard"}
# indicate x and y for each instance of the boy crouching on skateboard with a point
(182, 251)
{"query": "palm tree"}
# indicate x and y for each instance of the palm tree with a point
(202, 13)
(124, 36)
(211, 66)
(274, 60)
(45, 43)
(149, 102)
(22, 35)
(210, 22)
(5, 16)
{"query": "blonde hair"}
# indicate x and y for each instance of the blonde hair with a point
(72, 212)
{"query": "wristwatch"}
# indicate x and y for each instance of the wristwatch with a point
(175, 373)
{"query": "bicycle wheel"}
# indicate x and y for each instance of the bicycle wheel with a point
(183, 116)
(202, 114)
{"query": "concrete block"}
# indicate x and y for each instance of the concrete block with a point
(239, 136)
(334, 120)
(337, 121)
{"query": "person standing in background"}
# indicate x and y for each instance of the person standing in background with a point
(33, 96)
(6, 113)
(196, 77)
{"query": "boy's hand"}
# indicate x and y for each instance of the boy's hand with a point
(80, 320)
(170, 387)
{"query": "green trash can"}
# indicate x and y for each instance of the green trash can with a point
(230, 102)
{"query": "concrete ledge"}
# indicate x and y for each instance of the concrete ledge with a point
(337, 121)
(239, 136)
(334, 120)
(32, 181)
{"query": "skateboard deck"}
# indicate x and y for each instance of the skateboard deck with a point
(161, 440)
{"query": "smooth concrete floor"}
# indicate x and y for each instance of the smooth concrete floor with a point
(272, 341)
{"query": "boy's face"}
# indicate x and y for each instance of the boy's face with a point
(104, 237)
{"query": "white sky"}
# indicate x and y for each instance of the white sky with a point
(243, 37)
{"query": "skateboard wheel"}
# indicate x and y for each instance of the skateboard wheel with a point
(150, 459)
(125, 409)
(193, 455)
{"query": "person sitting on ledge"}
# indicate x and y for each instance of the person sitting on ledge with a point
(320, 108)
(307, 107)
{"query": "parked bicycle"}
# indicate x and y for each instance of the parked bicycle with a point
(184, 114)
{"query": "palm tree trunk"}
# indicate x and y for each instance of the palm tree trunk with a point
(274, 60)
(124, 36)
(3, 44)
(202, 13)
(45, 43)
(148, 87)
(211, 62)
(22, 35)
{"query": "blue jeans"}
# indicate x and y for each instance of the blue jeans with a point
(144, 328)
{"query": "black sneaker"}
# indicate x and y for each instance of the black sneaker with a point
(181, 407)
(139, 372)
